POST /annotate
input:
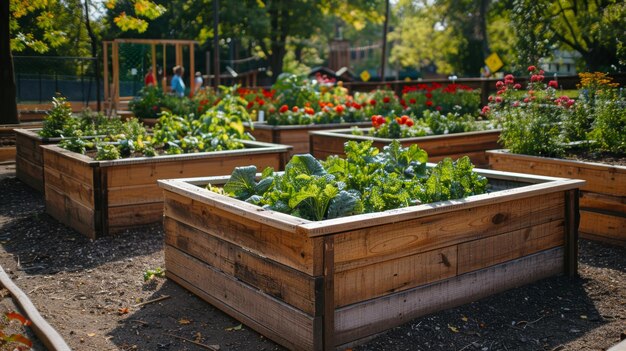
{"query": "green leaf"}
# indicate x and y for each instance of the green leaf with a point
(242, 183)
(345, 203)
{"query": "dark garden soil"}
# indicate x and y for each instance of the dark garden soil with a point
(94, 294)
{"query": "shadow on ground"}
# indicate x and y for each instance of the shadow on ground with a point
(162, 325)
(41, 245)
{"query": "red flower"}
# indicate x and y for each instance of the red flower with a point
(409, 123)
(429, 95)
(271, 110)
(531, 68)
(412, 101)
(438, 108)
(499, 84)
(261, 102)
(553, 83)
(402, 102)
(517, 86)
(380, 120)
(485, 110)
(339, 109)
(429, 103)
(373, 102)
(404, 119)
(386, 99)
(356, 106)
(295, 109)
(283, 109)
(309, 111)
(250, 104)
(399, 120)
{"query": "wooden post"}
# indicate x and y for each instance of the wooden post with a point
(154, 73)
(384, 56)
(164, 80)
(192, 68)
(179, 54)
(116, 74)
(329, 293)
(105, 55)
(572, 220)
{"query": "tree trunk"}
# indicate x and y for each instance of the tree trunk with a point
(94, 53)
(279, 36)
(8, 105)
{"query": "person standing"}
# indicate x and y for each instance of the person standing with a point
(178, 86)
(149, 79)
(198, 82)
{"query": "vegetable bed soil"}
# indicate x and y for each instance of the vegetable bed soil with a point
(602, 199)
(295, 135)
(333, 283)
(105, 197)
(438, 147)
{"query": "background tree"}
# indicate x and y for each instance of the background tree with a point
(595, 29)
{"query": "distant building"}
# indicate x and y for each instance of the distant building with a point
(561, 62)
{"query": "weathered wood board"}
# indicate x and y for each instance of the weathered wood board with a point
(602, 198)
(438, 147)
(339, 281)
(297, 135)
(106, 197)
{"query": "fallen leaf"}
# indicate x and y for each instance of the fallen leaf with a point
(464, 319)
(91, 334)
(123, 310)
(582, 316)
(198, 337)
(239, 327)
(184, 321)
(453, 328)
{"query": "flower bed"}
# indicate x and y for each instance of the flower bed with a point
(540, 127)
(105, 197)
(320, 285)
(472, 144)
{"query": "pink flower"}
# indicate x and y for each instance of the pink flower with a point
(485, 110)
(526, 100)
(553, 83)
(499, 84)
(516, 104)
(498, 99)
(531, 68)
(517, 86)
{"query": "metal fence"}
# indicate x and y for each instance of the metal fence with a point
(39, 78)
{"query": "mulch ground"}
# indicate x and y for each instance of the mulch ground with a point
(95, 295)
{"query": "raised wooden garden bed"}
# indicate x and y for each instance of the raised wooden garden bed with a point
(602, 199)
(321, 285)
(8, 139)
(438, 147)
(297, 136)
(105, 197)
(29, 156)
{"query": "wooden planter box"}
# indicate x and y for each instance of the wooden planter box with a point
(105, 197)
(29, 156)
(321, 285)
(438, 147)
(296, 136)
(602, 199)
(8, 139)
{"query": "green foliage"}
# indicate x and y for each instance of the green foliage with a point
(150, 274)
(609, 125)
(451, 123)
(106, 151)
(293, 90)
(148, 103)
(59, 120)
(367, 180)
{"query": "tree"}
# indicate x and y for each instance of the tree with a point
(595, 29)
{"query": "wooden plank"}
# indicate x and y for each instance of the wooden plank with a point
(134, 195)
(148, 173)
(265, 135)
(361, 320)
(603, 179)
(74, 189)
(603, 203)
(381, 278)
(65, 162)
(120, 218)
(263, 313)
(602, 225)
(388, 241)
(29, 173)
(572, 221)
(329, 294)
(478, 254)
(283, 283)
(291, 249)
(7, 154)
(70, 213)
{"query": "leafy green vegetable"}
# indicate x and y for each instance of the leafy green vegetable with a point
(366, 181)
